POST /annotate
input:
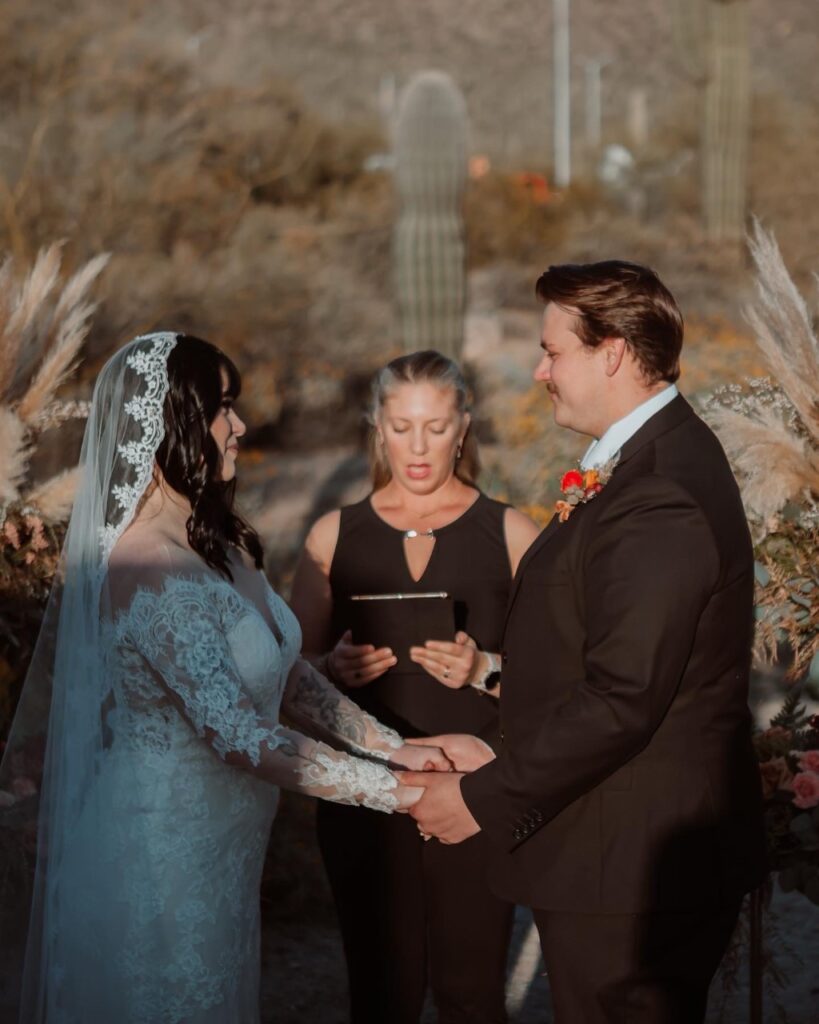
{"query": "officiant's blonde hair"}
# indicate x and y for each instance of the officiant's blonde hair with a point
(424, 367)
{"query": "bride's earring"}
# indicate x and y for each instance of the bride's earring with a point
(459, 451)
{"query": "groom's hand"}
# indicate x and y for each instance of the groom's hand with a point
(441, 811)
(423, 756)
(467, 753)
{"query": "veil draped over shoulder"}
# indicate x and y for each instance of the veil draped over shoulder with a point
(67, 704)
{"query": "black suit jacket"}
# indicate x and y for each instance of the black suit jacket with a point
(626, 780)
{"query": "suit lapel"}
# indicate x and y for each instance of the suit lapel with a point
(542, 538)
(552, 529)
(666, 419)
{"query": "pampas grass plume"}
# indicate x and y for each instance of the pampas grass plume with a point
(13, 455)
(783, 328)
(42, 329)
(53, 498)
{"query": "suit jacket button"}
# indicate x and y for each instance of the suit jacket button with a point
(504, 657)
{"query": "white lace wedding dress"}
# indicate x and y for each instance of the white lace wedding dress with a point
(162, 923)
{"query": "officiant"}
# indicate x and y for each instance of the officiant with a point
(425, 552)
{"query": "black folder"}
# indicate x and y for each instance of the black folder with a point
(401, 621)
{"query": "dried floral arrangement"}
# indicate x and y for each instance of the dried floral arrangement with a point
(44, 320)
(770, 430)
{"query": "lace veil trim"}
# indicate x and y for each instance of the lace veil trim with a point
(148, 359)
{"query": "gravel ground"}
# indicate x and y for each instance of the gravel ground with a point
(303, 978)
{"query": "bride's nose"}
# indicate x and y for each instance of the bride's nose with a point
(237, 424)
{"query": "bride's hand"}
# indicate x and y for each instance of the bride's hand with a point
(453, 664)
(466, 753)
(419, 757)
(407, 796)
(357, 664)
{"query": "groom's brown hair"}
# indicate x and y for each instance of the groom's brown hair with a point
(617, 299)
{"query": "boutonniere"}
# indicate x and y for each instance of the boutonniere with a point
(580, 486)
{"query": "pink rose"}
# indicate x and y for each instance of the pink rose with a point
(775, 775)
(808, 760)
(806, 790)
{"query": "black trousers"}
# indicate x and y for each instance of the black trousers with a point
(633, 968)
(412, 913)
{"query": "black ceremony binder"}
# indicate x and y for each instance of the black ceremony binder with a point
(401, 621)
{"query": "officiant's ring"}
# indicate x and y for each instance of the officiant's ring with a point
(446, 673)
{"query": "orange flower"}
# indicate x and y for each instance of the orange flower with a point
(563, 510)
(590, 478)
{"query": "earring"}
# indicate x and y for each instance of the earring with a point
(459, 451)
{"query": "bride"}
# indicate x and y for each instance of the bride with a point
(163, 662)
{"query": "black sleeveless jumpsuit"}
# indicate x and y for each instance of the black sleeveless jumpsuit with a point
(412, 911)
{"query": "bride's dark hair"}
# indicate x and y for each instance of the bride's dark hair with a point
(189, 457)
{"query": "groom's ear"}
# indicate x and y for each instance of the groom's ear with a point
(614, 351)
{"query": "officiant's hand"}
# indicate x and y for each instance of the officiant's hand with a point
(467, 753)
(441, 811)
(420, 756)
(453, 664)
(357, 664)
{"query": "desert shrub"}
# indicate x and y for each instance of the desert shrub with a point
(231, 209)
(514, 217)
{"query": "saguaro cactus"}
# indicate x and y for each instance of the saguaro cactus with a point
(713, 37)
(429, 250)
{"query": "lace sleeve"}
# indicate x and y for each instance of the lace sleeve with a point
(310, 699)
(178, 632)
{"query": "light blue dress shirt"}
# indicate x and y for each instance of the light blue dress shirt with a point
(600, 451)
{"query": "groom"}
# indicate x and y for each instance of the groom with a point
(624, 801)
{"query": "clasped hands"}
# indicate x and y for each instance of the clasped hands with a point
(432, 795)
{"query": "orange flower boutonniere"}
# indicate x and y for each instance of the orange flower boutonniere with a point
(580, 486)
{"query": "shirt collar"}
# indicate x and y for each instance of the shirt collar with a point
(615, 437)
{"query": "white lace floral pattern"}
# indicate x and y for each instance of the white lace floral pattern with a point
(136, 455)
(188, 780)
